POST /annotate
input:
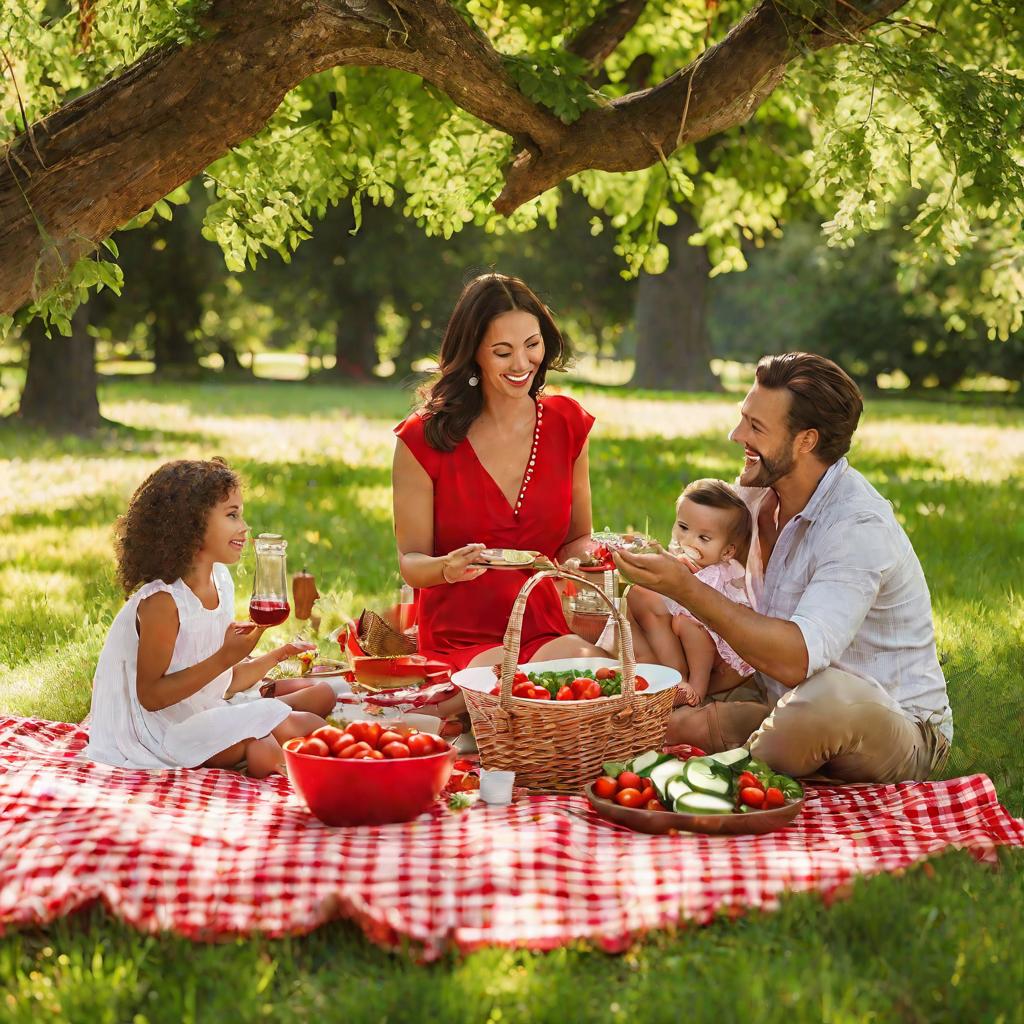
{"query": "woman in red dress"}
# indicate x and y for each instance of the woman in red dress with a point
(489, 462)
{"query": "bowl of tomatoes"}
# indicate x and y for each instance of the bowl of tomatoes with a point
(368, 773)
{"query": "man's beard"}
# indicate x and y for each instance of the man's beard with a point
(770, 469)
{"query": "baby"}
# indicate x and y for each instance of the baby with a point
(712, 531)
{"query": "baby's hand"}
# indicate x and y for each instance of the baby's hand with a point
(239, 640)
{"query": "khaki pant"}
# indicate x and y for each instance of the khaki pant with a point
(834, 725)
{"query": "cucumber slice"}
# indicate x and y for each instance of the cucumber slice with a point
(643, 763)
(676, 788)
(663, 774)
(706, 777)
(702, 803)
(737, 758)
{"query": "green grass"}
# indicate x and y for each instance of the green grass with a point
(932, 945)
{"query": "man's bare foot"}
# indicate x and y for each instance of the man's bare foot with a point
(685, 694)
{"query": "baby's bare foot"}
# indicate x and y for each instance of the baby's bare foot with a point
(685, 694)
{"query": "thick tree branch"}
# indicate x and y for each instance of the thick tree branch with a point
(81, 173)
(597, 42)
(722, 88)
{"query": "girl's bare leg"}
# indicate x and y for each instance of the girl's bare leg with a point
(228, 758)
(298, 723)
(700, 653)
(319, 697)
(264, 757)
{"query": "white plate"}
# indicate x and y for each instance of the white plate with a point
(482, 679)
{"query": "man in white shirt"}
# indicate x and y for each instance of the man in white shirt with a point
(848, 684)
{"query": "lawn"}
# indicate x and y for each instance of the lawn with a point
(940, 943)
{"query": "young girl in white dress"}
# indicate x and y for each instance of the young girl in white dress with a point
(174, 656)
(712, 531)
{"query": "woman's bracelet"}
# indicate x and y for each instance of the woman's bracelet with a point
(444, 565)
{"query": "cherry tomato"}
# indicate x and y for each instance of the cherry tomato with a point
(375, 755)
(520, 677)
(640, 683)
(648, 793)
(749, 779)
(396, 749)
(495, 689)
(522, 689)
(389, 736)
(330, 734)
(605, 787)
(579, 686)
(365, 732)
(629, 798)
(440, 745)
(773, 797)
(565, 693)
(295, 744)
(346, 752)
(539, 693)
(630, 780)
(655, 805)
(752, 797)
(420, 745)
(316, 746)
(592, 691)
(604, 673)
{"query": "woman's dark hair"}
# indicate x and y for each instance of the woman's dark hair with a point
(160, 535)
(450, 403)
(718, 494)
(823, 397)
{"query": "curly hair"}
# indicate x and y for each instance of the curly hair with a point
(449, 402)
(160, 535)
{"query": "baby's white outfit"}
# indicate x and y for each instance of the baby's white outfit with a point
(187, 734)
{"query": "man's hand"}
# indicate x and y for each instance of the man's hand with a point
(660, 572)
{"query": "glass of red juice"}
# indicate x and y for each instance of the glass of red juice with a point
(269, 604)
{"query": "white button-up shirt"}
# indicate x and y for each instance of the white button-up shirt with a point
(845, 572)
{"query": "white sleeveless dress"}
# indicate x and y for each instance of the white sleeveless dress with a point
(185, 735)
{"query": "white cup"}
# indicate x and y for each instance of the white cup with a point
(496, 787)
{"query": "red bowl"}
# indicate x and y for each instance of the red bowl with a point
(343, 791)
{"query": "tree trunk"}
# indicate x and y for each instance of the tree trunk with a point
(673, 350)
(60, 386)
(355, 344)
(230, 356)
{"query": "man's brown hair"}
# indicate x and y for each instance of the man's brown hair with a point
(824, 398)
(718, 494)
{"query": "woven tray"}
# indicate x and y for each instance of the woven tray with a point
(560, 746)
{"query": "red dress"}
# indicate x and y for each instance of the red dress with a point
(457, 621)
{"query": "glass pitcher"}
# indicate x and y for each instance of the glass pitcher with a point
(269, 605)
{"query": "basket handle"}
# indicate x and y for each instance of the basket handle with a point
(513, 637)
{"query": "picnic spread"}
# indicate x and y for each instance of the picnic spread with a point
(382, 823)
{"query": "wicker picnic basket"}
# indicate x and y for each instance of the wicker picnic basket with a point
(560, 746)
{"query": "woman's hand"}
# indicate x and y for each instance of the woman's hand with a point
(457, 566)
(239, 640)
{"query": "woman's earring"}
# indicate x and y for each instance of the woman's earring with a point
(473, 381)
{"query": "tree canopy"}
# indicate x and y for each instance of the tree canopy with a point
(472, 110)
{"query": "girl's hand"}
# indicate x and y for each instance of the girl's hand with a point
(457, 566)
(290, 650)
(239, 640)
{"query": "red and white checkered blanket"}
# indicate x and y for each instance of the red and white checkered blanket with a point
(211, 854)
